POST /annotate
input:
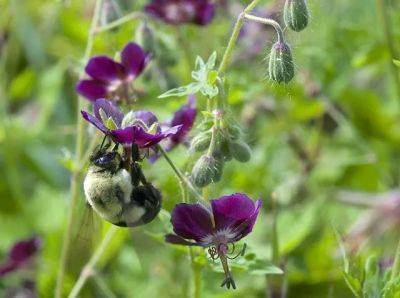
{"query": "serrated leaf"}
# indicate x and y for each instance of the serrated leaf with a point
(182, 91)
(211, 61)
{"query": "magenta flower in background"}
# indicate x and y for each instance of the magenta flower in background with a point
(20, 254)
(177, 12)
(230, 219)
(185, 117)
(111, 79)
(140, 127)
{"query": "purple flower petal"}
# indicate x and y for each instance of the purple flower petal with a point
(191, 221)
(134, 59)
(178, 12)
(20, 254)
(23, 250)
(137, 135)
(96, 122)
(109, 108)
(104, 69)
(147, 117)
(175, 239)
(91, 89)
(185, 116)
(237, 212)
(205, 14)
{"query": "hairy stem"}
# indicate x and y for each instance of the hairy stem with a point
(396, 264)
(88, 269)
(75, 179)
(269, 22)
(234, 36)
(182, 178)
(129, 17)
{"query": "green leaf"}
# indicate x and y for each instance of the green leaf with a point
(182, 91)
(261, 267)
(396, 62)
(211, 60)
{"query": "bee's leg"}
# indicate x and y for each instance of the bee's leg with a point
(115, 148)
(135, 152)
(136, 170)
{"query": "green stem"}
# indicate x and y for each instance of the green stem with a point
(129, 17)
(196, 278)
(386, 23)
(75, 180)
(396, 264)
(88, 269)
(235, 34)
(275, 243)
(182, 178)
(269, 22)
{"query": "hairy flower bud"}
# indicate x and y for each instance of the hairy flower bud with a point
(207, 169)
(200, 142)
(240, 151)
(281, 67)
(296, 14)
(145, 37)
(221, 149)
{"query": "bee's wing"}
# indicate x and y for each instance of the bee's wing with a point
(86, 233)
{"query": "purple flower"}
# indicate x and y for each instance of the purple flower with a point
(231, 218)
(20, 254)
(185, 117)
(140, 127)
(110, 78)
(178, 12)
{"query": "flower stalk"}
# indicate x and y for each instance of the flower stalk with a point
(75, 179)
(88, 269)
(382, 6)
(396, 264)
(235, 34)
(182, 178)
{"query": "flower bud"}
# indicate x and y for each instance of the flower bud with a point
(207, 169)
(296, 14)
(281, 67)
(222, 149)
(145, 37)
(240, 151)
(200, 142)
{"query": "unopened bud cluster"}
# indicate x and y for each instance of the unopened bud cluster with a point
(281, 66)
(222, 142)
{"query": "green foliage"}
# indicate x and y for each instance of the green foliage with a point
(205, 80)
(326, 142)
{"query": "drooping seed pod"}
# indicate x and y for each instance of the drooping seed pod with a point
(207, 169)
(296, 14)
(281, 68)
(200, 142)
(240, 151)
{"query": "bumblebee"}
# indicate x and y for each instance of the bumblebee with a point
(117, 190)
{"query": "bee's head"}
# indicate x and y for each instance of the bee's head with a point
(102, 160)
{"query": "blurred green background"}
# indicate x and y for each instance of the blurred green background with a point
(327, 145)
